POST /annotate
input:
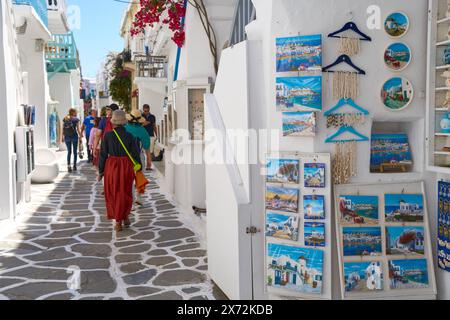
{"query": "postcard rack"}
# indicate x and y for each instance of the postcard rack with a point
(387, 251)
(298, 237)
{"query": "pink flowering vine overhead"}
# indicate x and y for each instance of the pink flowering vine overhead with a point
(169, 12)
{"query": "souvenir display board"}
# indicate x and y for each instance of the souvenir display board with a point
(444, 225)
(384, 243)
(196, 113)
(298, 225)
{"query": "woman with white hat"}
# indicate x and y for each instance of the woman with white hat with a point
(119, 159)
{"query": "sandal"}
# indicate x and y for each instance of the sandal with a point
(118, 227)
(127, 223)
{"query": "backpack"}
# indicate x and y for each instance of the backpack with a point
(69, 128)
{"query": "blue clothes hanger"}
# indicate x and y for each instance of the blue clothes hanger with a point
(344, 102)
(353, 27)
(347, 129)
(341, 59)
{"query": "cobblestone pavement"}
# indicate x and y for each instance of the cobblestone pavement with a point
(63, 247)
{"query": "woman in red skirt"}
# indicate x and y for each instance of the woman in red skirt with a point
(117, 169)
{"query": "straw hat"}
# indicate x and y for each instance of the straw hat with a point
(119, 118)
(135, 116)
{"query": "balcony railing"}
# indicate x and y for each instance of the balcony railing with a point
(62, 48)
(40, 6)
(245, 13)
(151, 66)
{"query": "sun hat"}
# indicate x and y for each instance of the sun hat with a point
(119, 118)
(135, 116)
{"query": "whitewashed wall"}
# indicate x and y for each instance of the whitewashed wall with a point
(10, 97)
(34, 63)
(61, 90)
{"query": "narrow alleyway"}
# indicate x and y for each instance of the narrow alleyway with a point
(64, 233)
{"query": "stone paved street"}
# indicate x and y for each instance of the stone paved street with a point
(63, 247)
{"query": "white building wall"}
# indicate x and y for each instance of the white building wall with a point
(61, 90)
(10, 99)
(33, 62)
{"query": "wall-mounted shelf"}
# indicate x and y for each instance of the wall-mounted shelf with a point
(437, 90)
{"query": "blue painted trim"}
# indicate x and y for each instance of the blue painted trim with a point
(177, 64)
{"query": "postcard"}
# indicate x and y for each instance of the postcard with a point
(404, 207)
(299, 124)
(283, 171)
(294, 268)
(301, 53)
(314, 207)
(296, 94)
(408, 274)
(363, 276)
(314, 175)
(314, 234)
(282, 226)
(390, 153)
(405, 240)
(362, 241)
(359, 209)
(282, 199)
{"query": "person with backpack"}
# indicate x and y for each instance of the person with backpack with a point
(118, 166)
(104, 127)
(71, 135)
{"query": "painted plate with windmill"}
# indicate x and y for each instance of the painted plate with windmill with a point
(396, 24)
(397, 93)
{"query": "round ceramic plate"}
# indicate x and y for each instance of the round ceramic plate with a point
(397, 93)
(396, 24)
(397, 56)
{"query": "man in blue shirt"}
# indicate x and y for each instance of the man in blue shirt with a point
(88, 124)
(150, 126)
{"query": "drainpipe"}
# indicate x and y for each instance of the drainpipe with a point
(177, 64)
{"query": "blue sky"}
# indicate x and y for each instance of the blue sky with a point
(99, 31)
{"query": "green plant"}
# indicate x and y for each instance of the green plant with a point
(120, 85)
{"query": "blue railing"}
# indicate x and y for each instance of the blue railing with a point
(40, 6)
(62, 48)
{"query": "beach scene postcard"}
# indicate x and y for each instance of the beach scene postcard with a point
(295, 94)
(408, 274)
(299, 124)
(364, 241)
(300, 53)
(282, 199)
(282, 226)
(404, 207)
(363, 276)
(359, 210)
(294, 268)
(283, 171)
(314, 207)
(314, 234)
(405, 240)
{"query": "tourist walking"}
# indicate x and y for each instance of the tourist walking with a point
(117, 154)
(105, 125)
(71, 135)
(150, 126)
(92, 136)
(135, 128)
(86, 128)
